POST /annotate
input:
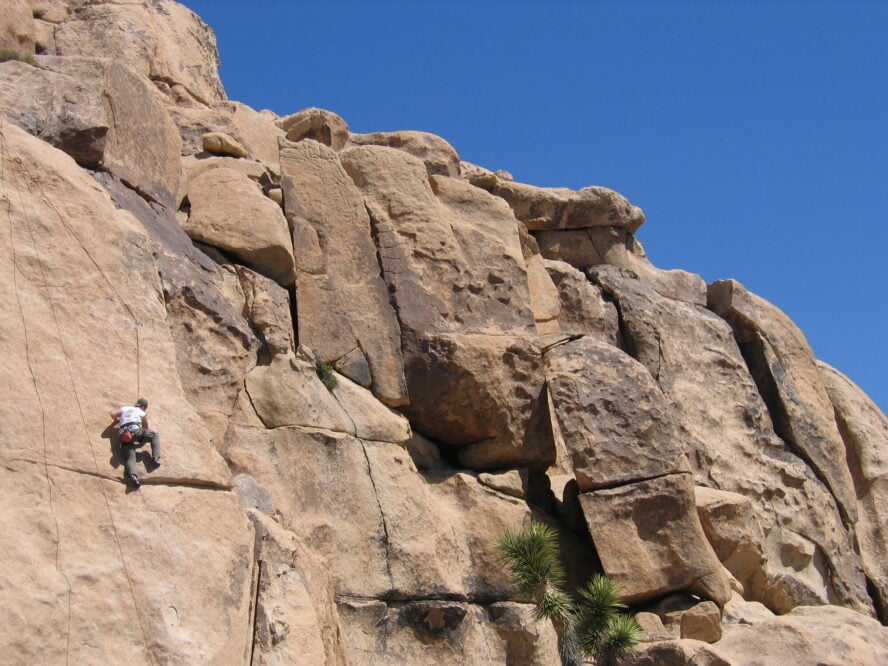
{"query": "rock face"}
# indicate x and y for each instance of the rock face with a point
(366, 360)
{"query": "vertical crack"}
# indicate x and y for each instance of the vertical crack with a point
(385, 532)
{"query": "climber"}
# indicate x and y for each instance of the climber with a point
(133, 432)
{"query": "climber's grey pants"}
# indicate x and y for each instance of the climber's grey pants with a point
(129, 450)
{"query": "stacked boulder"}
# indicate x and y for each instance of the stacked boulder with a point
(367, 360)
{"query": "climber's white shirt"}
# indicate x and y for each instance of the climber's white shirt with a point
(131, 415)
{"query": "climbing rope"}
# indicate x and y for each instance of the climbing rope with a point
(24, 171)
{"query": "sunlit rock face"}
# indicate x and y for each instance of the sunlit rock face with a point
(367, 359)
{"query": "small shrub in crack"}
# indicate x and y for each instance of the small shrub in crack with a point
(325, 373)
(8, 54)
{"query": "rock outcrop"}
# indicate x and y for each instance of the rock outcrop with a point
(366, 360)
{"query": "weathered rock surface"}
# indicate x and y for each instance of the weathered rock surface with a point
(550, 208)
(650, 541)
(229, 211)
(584, 249)
(616, 425)
(343, 303)
(17, 28)
(438, 156)
(864, 430)
(318, 125)
(79, 534)
(783, 366)
(334, 529)
(732, 445)
(451, 256)
(583, 308)
(162, 40)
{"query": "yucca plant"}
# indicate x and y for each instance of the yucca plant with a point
(596, 627)
(531, 557)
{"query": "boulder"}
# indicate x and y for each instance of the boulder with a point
(57, 108)
(616, 425)
(583, 308)
(864, 430)
(214, 344)
(650, 540)
(229, 211)
(266, 305)
(372, 420)
(17, 28)
(255, 131)
(316, 124)
(160, 40)
(451, 256)
(288, 392)
(702, 623)
(505, 482)
(527, 640)
(220, 143)
(103, 114)
(586, 248)
(783, 366)
(732, 446)
(551, 208)
(438, 156)
(343, 304)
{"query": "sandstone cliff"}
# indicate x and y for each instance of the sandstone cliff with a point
(366, 359)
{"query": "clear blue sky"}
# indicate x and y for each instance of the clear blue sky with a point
(753, 134)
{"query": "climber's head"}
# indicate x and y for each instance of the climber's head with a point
(141, 403)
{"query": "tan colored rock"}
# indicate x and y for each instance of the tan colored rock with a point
(230, 212)
(375, 531)
(864, 430)
(48, 196)
(583, 308)
(371, 419)
(423, 632)
(51, 11)
(317, 124)
(296, 620)
(550, 208)
(162, 41)
(732, 445)
(732, 526)
(544, 300)
(505, 482)
(616, 425)
(527, 641)
(255, 131)
(451, 255)
(805, 635)
(266, 306)
(424, 453)
(17, 27)
(214, 345)
(702, 623)
(220, 143)
(438, 156)
(104, 115)
(782, 362)
(104, 573)
(57, 108)
(343, 303)
(651, 625)
(591, 247)
(650, 541)
(288, 392)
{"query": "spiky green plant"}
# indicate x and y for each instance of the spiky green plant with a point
(9, 54)
(325, 373)
(618, 640)
(531, 557)
(595, 628)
